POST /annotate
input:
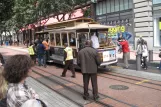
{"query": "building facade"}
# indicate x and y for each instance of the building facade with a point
(132, 18)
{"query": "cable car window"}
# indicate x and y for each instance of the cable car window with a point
(58, 40)
(52, 39)
(82, 39)
(72, 39)
(64, 38)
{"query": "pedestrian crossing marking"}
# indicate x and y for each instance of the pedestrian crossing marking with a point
(142, 81)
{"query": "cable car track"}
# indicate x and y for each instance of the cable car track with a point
(98, 102)
(68, 88)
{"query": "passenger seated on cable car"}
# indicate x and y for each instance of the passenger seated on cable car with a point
(110, 42)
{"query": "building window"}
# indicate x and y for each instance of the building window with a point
(112, 6)
(97, 9)
(108, 6)
(157, 31)
(130, 4)
(126, 4)
(104, 7)
(121, 5)
(100, 8)
(156, 1)
(117, 5)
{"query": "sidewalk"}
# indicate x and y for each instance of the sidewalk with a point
(156, 58)
(51, 98)
(17, 48)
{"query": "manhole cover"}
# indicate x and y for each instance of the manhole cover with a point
(119, 87)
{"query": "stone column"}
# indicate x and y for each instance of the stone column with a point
(143, 21)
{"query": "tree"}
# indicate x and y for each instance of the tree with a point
(33, 11)
(6, 13)
(6, 7)
(52, 8)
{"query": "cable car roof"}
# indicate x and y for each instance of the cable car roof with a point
(92, 26)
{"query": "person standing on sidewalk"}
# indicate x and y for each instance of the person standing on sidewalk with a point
(68, 58)
(126, 52)
(145, 54)
(41, 53)
(46, 56)
(139, 51)
(88, 60)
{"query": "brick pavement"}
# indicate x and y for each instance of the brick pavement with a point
(143, 96)
(135, 95)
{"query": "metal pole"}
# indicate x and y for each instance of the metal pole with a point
(138, 63)
(150, 55)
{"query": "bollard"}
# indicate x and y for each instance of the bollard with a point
(150, 55)
(138, 62)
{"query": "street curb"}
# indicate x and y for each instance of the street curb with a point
(153, 64)
(141, 74)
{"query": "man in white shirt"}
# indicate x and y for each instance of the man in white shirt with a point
(95, 41)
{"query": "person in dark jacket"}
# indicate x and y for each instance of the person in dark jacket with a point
(88, 60)
(40, 53)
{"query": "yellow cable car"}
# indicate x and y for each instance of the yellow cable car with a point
(75, 33)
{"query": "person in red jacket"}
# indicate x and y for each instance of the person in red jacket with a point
(126, 52)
